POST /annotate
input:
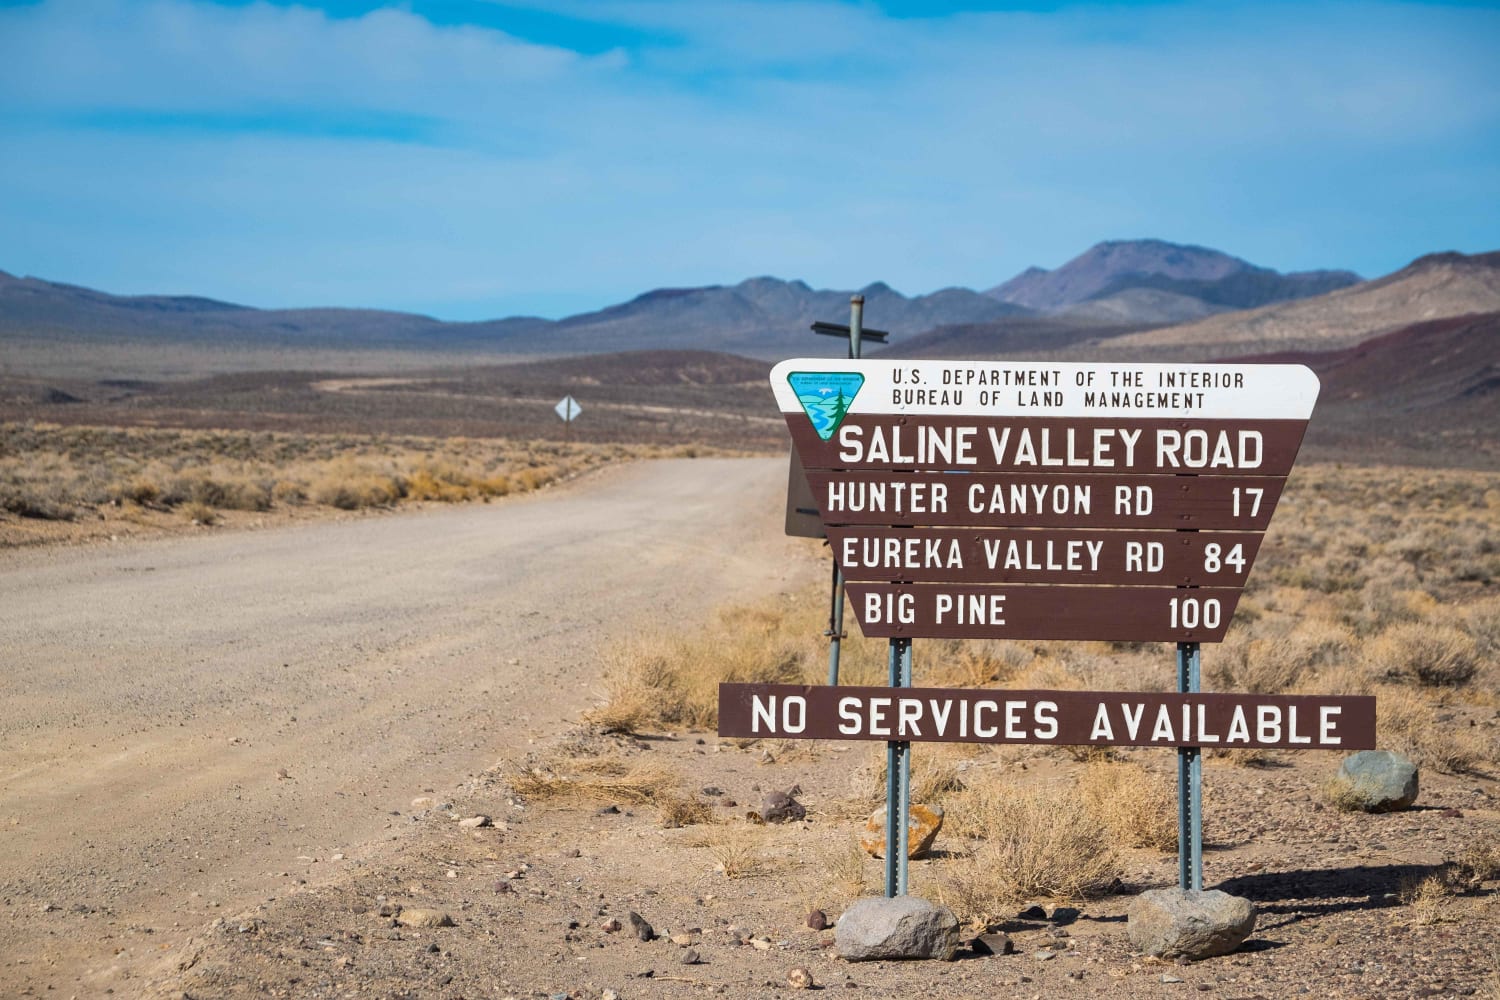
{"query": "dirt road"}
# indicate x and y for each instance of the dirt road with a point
(188, 723)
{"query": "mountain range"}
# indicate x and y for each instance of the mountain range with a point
(1115, 287)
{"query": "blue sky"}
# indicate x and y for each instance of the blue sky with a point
(471, 159)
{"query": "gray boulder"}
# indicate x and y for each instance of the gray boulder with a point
(900, 928)
(1181, 923)
(1375, 781)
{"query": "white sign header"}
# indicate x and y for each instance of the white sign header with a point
(1047, 389)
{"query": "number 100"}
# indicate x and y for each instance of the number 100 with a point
(1190, 612)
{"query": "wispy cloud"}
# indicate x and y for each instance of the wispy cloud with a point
(283, 154)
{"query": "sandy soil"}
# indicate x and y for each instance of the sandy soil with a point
(235, 765)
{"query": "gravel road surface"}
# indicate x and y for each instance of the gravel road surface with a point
(186, 718)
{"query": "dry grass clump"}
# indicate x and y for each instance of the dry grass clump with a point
(1272, 656)
(1408, 723)
(736, 851)
(937, 771)
(659, 681)
(57, 473)
(1035, 843)
(1135, 805)
(596, 778)
(1425, 652)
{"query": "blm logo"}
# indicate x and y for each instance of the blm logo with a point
(825, 397)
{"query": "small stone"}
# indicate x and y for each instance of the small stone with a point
(1167, 977)
(423, 917)
(817, 920)
(474, 822)
(712, 791)
(780, 807)
(1044, 955)
(1064, 914)
(1032, 912)
(639, 927)
(1375, 781)
(423, 802)
(760, 943)
(682, 940)
(905, 927)
(690, 956)
(609, 811)
(609, 995)
(611, 926)
(799, 978)
(992, 943)
(1173, 923)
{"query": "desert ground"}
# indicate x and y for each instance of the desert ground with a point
(323, 685)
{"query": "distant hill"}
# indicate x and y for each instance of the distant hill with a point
(1421, 391)
(1432, 287)
(760, 318)
(1010, 337)
(1111, 280)
(763, 318)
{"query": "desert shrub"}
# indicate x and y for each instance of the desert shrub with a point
(598, 779)
(288, 492)
(1408, 723)
(675, 810)
(972, 662)
(199, 513)
(1036, 843)
(1427, 653)
(1275, 658)
(349, 486)
(937, 771)
(27, 500)
(142, 491)
(657, 680)
(1137, 806)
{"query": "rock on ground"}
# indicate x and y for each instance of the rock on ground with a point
(1182, 923)
(900, 928)
(1375, 781)
(922, 828)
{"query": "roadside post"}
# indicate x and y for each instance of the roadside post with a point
(568, 409)
(1049, 500)
(796, 482)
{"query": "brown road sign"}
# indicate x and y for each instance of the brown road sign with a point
(1034, 501)
(1072, 718)
(1140, 558)
(1042, 611)
(1097, 493)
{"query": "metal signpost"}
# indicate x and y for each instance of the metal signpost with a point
(802, 517)
(1051, 500)
(568, 409)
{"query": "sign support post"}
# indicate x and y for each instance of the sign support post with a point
(897, 782)
(835, 631)
(1189, 782)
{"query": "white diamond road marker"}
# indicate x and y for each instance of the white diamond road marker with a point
(568, 409)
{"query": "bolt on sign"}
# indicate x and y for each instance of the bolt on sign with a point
(1045, 500)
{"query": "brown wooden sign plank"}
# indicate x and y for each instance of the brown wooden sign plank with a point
(1142, 558)
(1073, 718)
(1018, 500)
(1042, 611)
(1096, 445)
